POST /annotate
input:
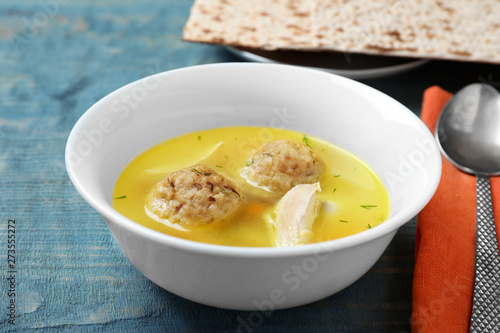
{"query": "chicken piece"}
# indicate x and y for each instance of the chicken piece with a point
(296, 213)
(195, 196)
(280, 165)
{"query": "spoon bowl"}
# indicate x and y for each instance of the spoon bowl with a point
(468, 130)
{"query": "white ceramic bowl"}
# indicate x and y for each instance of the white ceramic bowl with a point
(386, 135)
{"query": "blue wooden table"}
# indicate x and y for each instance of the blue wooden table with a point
(66, 273)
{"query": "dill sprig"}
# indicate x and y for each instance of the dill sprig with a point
(307, 142)
(202, 173)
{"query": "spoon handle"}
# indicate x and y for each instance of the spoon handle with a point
(486, 303)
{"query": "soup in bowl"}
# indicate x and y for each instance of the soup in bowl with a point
(129, 151)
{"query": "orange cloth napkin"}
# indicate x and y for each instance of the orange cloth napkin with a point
(445, 242)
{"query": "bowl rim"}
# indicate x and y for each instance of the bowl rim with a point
(391, 225)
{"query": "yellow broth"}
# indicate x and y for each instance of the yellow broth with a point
(359, 196)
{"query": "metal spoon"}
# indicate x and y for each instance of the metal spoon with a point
(468, 132)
